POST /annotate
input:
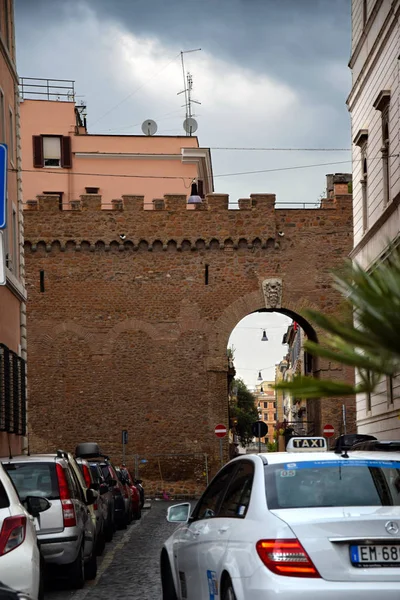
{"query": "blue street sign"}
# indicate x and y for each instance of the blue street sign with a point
(3, 186)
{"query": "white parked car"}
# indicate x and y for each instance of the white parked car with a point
(305, 524)
(20, 563)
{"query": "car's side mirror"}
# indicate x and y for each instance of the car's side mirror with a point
(95, 486)
(103, 489)
(179, 513)
(91, 496)
(111, 482)
(36, 505)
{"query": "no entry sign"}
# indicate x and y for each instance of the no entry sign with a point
(328, 431)
(220, 431)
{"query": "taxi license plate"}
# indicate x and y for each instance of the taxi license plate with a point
(375, 556)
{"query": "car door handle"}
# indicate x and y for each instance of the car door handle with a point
(223, 529)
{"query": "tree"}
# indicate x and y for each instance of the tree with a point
(370, 343)
(244, 411)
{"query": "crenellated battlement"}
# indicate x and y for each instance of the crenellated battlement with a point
(131, 203)
(170, 223)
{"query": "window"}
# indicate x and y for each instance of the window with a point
(34, 479)
(364, 186)
(365, 12)
(4, 501)
(382, 103)
(52, 151)
(2, 122)
(92, 190)
(361, 140)
(368, 399)
(389, 388)
(208, 504)
(265, 404)
(11, 133)
(12, 392)
(373, 483)
(385, 154)
(237, 498)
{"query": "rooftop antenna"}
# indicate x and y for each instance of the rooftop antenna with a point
(189, 126)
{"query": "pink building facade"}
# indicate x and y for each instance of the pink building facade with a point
(61, 158)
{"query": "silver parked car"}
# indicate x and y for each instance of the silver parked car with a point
(67, 530)
(99, 507)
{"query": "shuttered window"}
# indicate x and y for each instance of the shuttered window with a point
(52, 151)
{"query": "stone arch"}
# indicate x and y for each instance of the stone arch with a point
(85, 246)
(129, 246)
(172, 245)
(114, 246)
(243, 244)
(185, 245)
(143, 245)
(41, 246)
(56, 247)
(99, 246)
(157, 246)
(214, 244)
(70, 245)
(246, 305)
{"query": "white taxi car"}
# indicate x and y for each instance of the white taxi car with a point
(305, 524)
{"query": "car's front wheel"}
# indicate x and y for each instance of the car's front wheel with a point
(228, 592)
(167, 582)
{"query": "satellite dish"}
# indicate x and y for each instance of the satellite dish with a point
(149, 127)
(190, 125)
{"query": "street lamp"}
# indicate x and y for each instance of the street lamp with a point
(264, 336)
(259, 378)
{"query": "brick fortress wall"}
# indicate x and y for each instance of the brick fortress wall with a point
(130, 311)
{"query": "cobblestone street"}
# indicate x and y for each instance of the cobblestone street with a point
(129, 567)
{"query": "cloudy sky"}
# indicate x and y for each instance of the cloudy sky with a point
(270, 74)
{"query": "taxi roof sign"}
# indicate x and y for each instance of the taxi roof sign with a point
(307, 444)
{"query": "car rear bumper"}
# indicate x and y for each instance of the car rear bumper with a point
(20, 569)
(264, 584)
(61, 548)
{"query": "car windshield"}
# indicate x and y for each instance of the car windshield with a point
(333, 483)
(34, 479)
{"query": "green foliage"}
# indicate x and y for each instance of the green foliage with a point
(372, 344)
(272, 446)
(245, 411)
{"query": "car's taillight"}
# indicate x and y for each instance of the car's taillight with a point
(286, 557)
(12, 533)
(67, 505)
(86, 475)
(95, 506)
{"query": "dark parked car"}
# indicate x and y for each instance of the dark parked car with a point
(378, 445)
(108, 497)
(347, 441)
(92, 453)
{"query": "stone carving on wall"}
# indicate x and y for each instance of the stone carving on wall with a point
(272, 290)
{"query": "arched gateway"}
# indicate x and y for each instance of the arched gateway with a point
(130, 310)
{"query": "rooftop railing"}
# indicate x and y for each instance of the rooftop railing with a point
(33, 88)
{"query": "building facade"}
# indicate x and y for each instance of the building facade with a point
(375, 118)
(61, 159)
(266, 406)
(12, 294)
